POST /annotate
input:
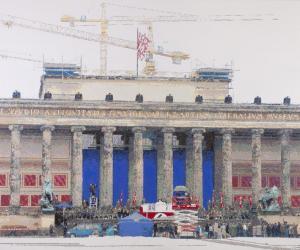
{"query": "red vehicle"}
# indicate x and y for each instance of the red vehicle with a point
(182, 199)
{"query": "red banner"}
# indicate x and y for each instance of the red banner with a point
(295, 200)
(235, 181)
(2, 180)
(274, 181)
(66, 198)
(24, 200)
(246, 181)
(29, 180)
(5, 199)
(35, 200)
(298, 182)
(60, 180)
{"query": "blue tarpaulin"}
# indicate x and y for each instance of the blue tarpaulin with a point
(178, 167)
(135, 225)
(120, 175)
(90, 172)
(208, 176)
(150, 175)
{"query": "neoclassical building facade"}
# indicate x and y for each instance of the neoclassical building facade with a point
(144, 149)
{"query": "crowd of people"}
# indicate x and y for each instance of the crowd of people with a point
(247, 229)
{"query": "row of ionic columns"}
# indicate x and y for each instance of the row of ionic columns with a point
(165, 164)
(256, 168)
(164, 173)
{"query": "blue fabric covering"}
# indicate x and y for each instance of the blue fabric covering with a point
(120, 175)
(178, 167)
(63, 205)
(208, 176)
(91, 163)
(150, 175)
(135, 225)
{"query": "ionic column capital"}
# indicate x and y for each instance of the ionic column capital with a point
(138, 129)
(257, 131)
(47, 127)
(168, 130)
(108, 129)
(197, 131)
(283, 133)
(15, 127)
(227, 131)
(77, 129)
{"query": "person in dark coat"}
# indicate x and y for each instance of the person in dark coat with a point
(269, 230)
(171, 231)
(154, 229)
(51, 230)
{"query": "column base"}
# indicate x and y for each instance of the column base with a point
(254, 209)
(14, 210)
(286, 210)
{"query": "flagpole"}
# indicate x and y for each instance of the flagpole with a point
(137, 53)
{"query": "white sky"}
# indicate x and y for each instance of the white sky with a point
(265, 53)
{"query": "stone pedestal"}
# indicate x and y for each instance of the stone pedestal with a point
(227, 166)
(15, 167)
(285, 167)
(165, 166)
(136, 165)
(194, 171)
(76, 171)
(106, 168)
(46, 152)
(256, 165)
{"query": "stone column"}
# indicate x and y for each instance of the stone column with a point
(15, 167)
(194, 171)
(197, 162)
(285, 167)
(76, 171)
(136, 165)
(46, 152)
(106, 168)
(256, 165)
(165, 166)
(227, 166)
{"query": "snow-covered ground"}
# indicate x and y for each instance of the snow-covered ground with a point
(146, 243)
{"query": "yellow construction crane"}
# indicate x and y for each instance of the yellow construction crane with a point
(176, 56)
(103, 38)
(11, 21)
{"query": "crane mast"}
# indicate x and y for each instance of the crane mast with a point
(103, 44)
(177, 57)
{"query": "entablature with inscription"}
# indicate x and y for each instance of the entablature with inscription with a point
(100, 113)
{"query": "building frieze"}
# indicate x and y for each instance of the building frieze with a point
(83, 113)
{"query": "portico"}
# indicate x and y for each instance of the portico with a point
(238, 170)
